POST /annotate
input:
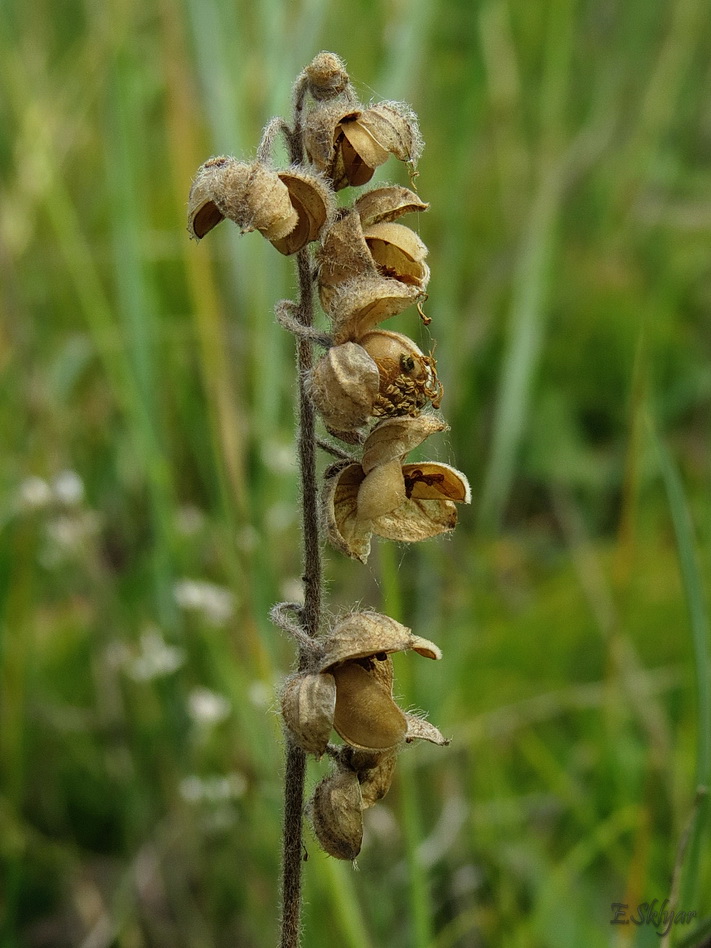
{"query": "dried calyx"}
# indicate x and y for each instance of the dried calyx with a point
(288, 207)
(348, 688)
(348, 142)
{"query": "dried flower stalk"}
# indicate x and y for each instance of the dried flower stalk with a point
(374, 389)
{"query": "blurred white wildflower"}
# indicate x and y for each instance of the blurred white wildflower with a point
(155, 658)
(218, 788)
(68, 488)
(67, 536)
(189, 520)
(292, 590)
(279, 458)
(280, 517)
(207, 707)
(260, 694)
(34, 493)
(247, 538)
(215, 602)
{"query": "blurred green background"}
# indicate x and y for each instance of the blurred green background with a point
(149, 501)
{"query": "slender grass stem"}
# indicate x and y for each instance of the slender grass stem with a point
(295, 768)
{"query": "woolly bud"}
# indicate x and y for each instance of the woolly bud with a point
(326, 76)
(344, 385)
(336, 815)
(308, 702)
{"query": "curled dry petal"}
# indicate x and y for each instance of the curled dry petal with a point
(340, 511)
(396, 437)
(433, 481)
(416, 520)
(398, 252)
(344, 385)
(420, 730)
(251, 195)
(394, 126)
(375, 781)
(358, 305)
(387, 204)
(336, 815)
(382, 490)
(308, 703)
(366, 715)
(363, 634)
(361, 151)
(312, 201)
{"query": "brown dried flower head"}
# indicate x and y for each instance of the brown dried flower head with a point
(383, 496)
(361, 250)
(385, 374)
(348, 143)
(349, 688)
(288, 207)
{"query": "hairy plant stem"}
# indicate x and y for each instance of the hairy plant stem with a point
(295, 766)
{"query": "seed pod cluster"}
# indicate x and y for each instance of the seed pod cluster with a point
(348, 688)
(373, 388)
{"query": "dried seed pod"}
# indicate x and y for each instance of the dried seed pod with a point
(340, 511)
(358, 305)
(308, 703)
(398, 253)
(251, 195)
(326, 75)
(348, 143)
(321, 132)
(366, 715)
(343, 256)
(382, 490)
(363, 634)
(387, 204)
(336, 815)
(288, 207)
(344, 385)
(375, 780)
(396, 437)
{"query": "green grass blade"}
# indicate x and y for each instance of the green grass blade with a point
(700, 638)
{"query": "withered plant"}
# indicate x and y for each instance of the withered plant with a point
(378, 394)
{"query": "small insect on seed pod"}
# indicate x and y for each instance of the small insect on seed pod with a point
(384, 374)
(288, 207)
(408, 378)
